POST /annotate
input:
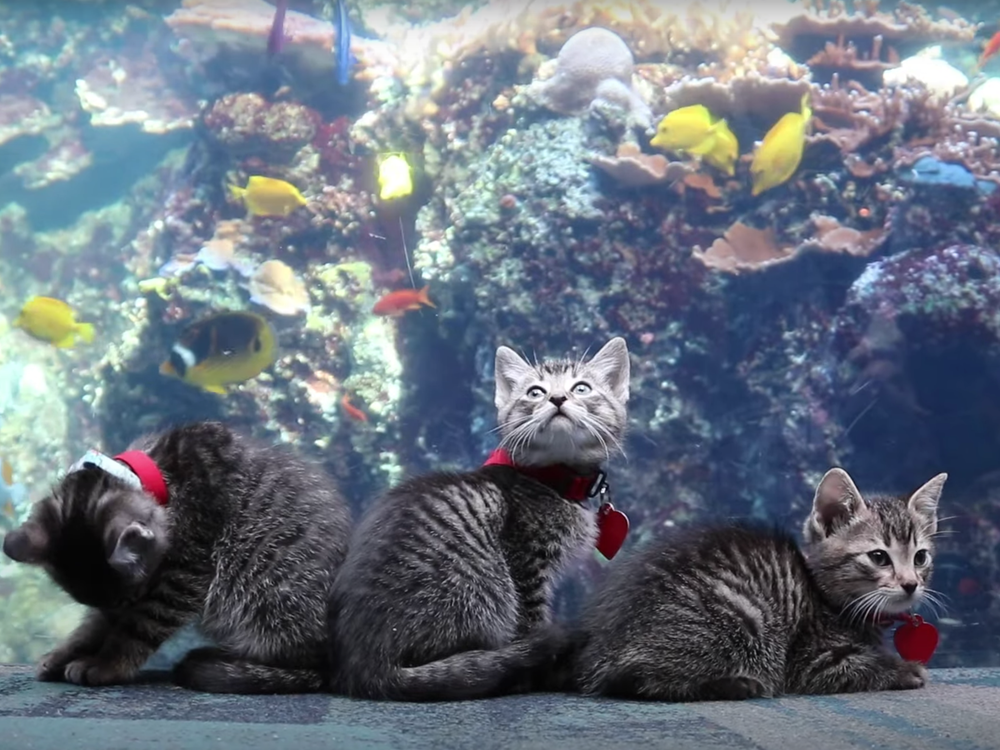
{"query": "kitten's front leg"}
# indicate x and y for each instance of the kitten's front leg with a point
(862, 670)
(130, 641)
(86, 640)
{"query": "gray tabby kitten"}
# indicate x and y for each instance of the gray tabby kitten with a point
(446, 590)
(246, 543)
(737, 611)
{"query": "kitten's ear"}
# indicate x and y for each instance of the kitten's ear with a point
(612, 365)
(27, 544)
(924, 502)
(837, 500)
(510, 369)
(137, 552)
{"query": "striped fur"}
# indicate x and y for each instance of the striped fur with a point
(247, 547)
(446, 590)
(738, 611)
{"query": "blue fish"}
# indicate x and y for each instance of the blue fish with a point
(276, 39)
(342, 45)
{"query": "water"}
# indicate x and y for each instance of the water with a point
(845, 315)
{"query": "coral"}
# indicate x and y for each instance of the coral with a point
(593, 63)
(754, 98)
(632, 168)
(744, 248)
(927, 69)
(248, 124)
(275, 286)
(861, 45)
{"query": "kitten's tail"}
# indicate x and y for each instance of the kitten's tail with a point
(519, 667)
(213, 670)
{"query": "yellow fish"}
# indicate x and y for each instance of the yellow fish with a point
(683, 129)
(395, 177)
(6, 472)
(222, 349)
(780, 153)
(720, 148)
(53, 320)
(267, 196)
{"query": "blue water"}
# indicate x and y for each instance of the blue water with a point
(844, 316)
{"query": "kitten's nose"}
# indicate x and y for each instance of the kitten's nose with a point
(909, 587)
(557, 400)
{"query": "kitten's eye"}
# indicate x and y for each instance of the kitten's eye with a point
(536, 391)
(921, 558)
(880, 557)
(581, 389)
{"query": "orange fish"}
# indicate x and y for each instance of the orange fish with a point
(991, 48)
(396, 304)
(352, 411)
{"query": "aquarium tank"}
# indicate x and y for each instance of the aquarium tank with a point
(788, 209)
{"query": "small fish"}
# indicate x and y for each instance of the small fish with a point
(395, 177)
(342, 45)
(780, 153)
(352, 411)
(11, 495)
(720, 148)
(53, 320)
(267, 196)
(6, 472)
(276, 39)
(990, 50)
(222, 349)
(684, 128)
(396, 304)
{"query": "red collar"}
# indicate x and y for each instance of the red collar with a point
(565, 480)
(149, 474)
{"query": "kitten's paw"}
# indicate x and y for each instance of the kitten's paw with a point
(911, 675)
(93, 672)
(733, 689)
(52, 667)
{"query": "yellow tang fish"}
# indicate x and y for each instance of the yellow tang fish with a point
(683, 129)
(395, 177)
(780, 153)
(267, 196)
(53, 320)
(222, 349)
(720, 148)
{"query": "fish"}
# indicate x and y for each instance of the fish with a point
(684, 128)
(779, 154)
(395, 177)
(398, 303)
(276, 38)
(720, 148)
(11, 495)
(990, 50)
(267, 196)
(52, 320)
(222, 349)
(352, 411)
(342, 45)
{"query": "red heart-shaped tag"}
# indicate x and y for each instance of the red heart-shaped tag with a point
(916, 640)
(612, 528)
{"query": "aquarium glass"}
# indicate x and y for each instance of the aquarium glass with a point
(789, 210)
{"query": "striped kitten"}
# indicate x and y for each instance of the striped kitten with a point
(446, 590)
(735, 611)
(196, 523)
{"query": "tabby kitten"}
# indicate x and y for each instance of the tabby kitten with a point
(194, 524)
(736, 611)
(446, 590)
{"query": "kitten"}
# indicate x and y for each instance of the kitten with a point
(736, 611)
(194, 524)
(446, 590)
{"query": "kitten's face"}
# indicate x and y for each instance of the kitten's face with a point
(872, 557)
(563, 412)
(98, 539)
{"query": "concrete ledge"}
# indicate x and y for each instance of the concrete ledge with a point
(959, 711)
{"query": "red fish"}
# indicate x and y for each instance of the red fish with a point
(396, 304)
(991, 48)
(352, 411)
